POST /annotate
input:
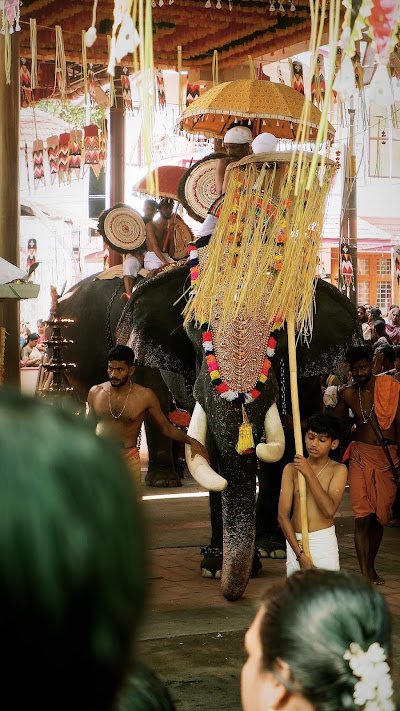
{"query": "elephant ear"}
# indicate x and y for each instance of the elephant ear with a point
(152, 323)
(336, 328)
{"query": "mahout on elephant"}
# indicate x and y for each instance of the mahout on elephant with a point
(96, 308)
(158, 338)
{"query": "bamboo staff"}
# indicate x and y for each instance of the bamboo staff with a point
(298, 440)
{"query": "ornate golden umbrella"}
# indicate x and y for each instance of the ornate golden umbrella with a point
(267, 107)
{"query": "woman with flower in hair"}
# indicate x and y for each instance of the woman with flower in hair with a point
(319, 642)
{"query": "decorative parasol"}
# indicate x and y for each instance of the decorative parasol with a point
(268, 107)
(168, 180)
(122, 228)
(197, 189)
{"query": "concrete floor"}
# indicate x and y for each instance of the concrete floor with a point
(191, 635)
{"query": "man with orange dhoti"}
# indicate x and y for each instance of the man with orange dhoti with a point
(120, 407)
(374, 455)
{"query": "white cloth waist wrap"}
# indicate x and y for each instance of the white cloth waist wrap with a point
(323, 548)
(131, 266)
(151, 261)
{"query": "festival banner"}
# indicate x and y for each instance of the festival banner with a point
(126, 89)
(38, 167)
(396, 259)
(346, 267)
(63, 157)
(25, 83)
(75, 154)
(91, 88)
(318, 82)
(92, 148)
(280, 75)
(103, 144)
(296, 75)
(52, 155)
(162, 102)
(192, 93)
(32, 249)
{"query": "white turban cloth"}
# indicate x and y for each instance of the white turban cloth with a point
(238, 134)
(264, 143)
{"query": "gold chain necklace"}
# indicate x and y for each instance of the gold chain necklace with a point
(321, 470)
(364, 415)
(116, 417)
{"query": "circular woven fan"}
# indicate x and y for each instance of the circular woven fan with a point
(122, 228)
(196, 189)
(181, 235)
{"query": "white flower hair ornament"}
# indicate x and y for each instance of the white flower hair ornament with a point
(374, 691)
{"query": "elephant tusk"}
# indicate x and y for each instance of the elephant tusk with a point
(199, 467)
(274, 448)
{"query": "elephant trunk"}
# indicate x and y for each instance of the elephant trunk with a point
(238, 515)
(199, 467)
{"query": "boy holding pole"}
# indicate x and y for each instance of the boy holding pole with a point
(326, 481)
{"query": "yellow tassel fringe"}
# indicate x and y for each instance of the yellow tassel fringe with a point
(246, 439)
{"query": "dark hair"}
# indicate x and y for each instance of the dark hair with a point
(379, 327)
(123, 353)
(323, 423)
(152, 203)
(72, 556)
(310, 621)
(397, 352)
(165, 201)
(32, 337)
(364, 318)
(388, 352)
(144, 691)
(355, 353)
(376, 313)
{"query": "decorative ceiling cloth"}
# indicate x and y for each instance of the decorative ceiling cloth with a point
(234, 28)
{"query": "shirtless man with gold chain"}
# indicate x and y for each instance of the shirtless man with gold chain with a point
(374, 454)
(120, 407)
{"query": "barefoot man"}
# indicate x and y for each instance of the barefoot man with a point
(374, 460)
(121, 405)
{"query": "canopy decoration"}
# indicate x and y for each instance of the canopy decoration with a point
(266, 106)
(166, 178)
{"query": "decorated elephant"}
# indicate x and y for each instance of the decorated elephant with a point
(159, 339)
(96, 307)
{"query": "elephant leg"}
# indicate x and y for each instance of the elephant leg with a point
(211, 565)
(269, 537)
(238, 517)
(161, 471)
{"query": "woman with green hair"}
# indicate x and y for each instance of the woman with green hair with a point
(72, 569)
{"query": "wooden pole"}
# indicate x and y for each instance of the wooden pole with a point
(9, 201)
(352, 204)
(117, 155)
(298, 440)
